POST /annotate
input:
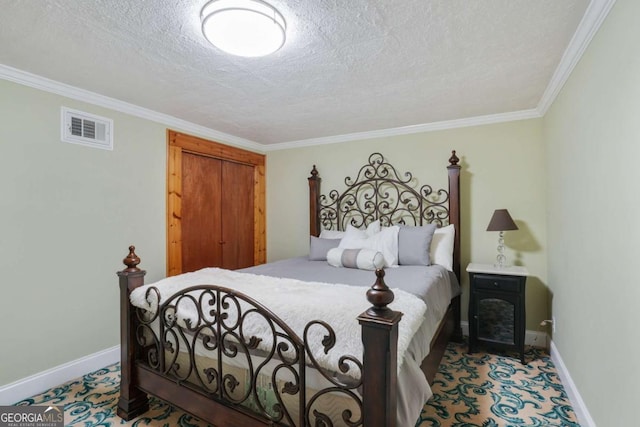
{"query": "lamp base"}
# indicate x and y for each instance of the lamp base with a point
(498, 265)
(501, 258)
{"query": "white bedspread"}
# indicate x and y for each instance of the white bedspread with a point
(297, 303)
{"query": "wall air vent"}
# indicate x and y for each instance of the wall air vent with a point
(86, 129)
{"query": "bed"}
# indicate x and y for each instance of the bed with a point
(300, 342)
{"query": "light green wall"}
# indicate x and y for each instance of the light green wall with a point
(68, 214)
(592, 134)
(569, 180)
(503, 167)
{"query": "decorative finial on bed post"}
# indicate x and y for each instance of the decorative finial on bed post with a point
(380, 295)
(453, 160)
(133, 401)
(132, 260)
(314, 171)
(380, 358)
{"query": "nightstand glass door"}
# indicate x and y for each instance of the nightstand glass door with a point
(496, 320)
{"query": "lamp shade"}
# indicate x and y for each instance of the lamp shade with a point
(501, 221)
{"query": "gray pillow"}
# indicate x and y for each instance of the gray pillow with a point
(414, 244)
(318, 248)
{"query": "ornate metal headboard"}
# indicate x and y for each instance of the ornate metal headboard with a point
(379, 192)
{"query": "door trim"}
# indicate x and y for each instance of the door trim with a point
(177, 143)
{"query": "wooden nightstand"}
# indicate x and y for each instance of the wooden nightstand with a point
(497, 317)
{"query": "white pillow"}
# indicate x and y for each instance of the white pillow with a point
(441, 251)
(372, 229)
(363, 259)
(386, 242)
(331, 234)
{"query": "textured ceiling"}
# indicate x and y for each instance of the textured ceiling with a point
(348, 66)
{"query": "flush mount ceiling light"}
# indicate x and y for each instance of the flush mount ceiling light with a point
(243, 27)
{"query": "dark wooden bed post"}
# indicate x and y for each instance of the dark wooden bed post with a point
(454, 218)
(379, 362)
(454, 208)
(314, 194)
(133, 401)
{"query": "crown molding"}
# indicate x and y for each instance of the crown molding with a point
(42, 83)
(593, 18)
(406, 130)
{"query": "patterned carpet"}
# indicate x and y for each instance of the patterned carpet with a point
(489, 390)
(470, 390)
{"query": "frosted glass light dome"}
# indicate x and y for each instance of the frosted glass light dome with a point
(243, 27)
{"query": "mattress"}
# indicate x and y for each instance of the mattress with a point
(434, 284)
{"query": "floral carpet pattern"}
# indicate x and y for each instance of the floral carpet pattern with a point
(470, 390)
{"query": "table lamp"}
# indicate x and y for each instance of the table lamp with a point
(501, 221)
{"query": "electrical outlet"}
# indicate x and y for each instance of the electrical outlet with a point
(553, 324)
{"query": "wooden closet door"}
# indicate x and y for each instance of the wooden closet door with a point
(237, 215)
(215, 205)
(201, 213)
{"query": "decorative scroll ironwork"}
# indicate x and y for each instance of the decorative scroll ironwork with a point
(379, 192)
(234, 350)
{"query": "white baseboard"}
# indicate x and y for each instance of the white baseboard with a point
(540, 339)
(579, 407)
(27, 387)
(531, 338)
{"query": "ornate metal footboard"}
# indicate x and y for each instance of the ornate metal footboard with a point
(229, 360)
